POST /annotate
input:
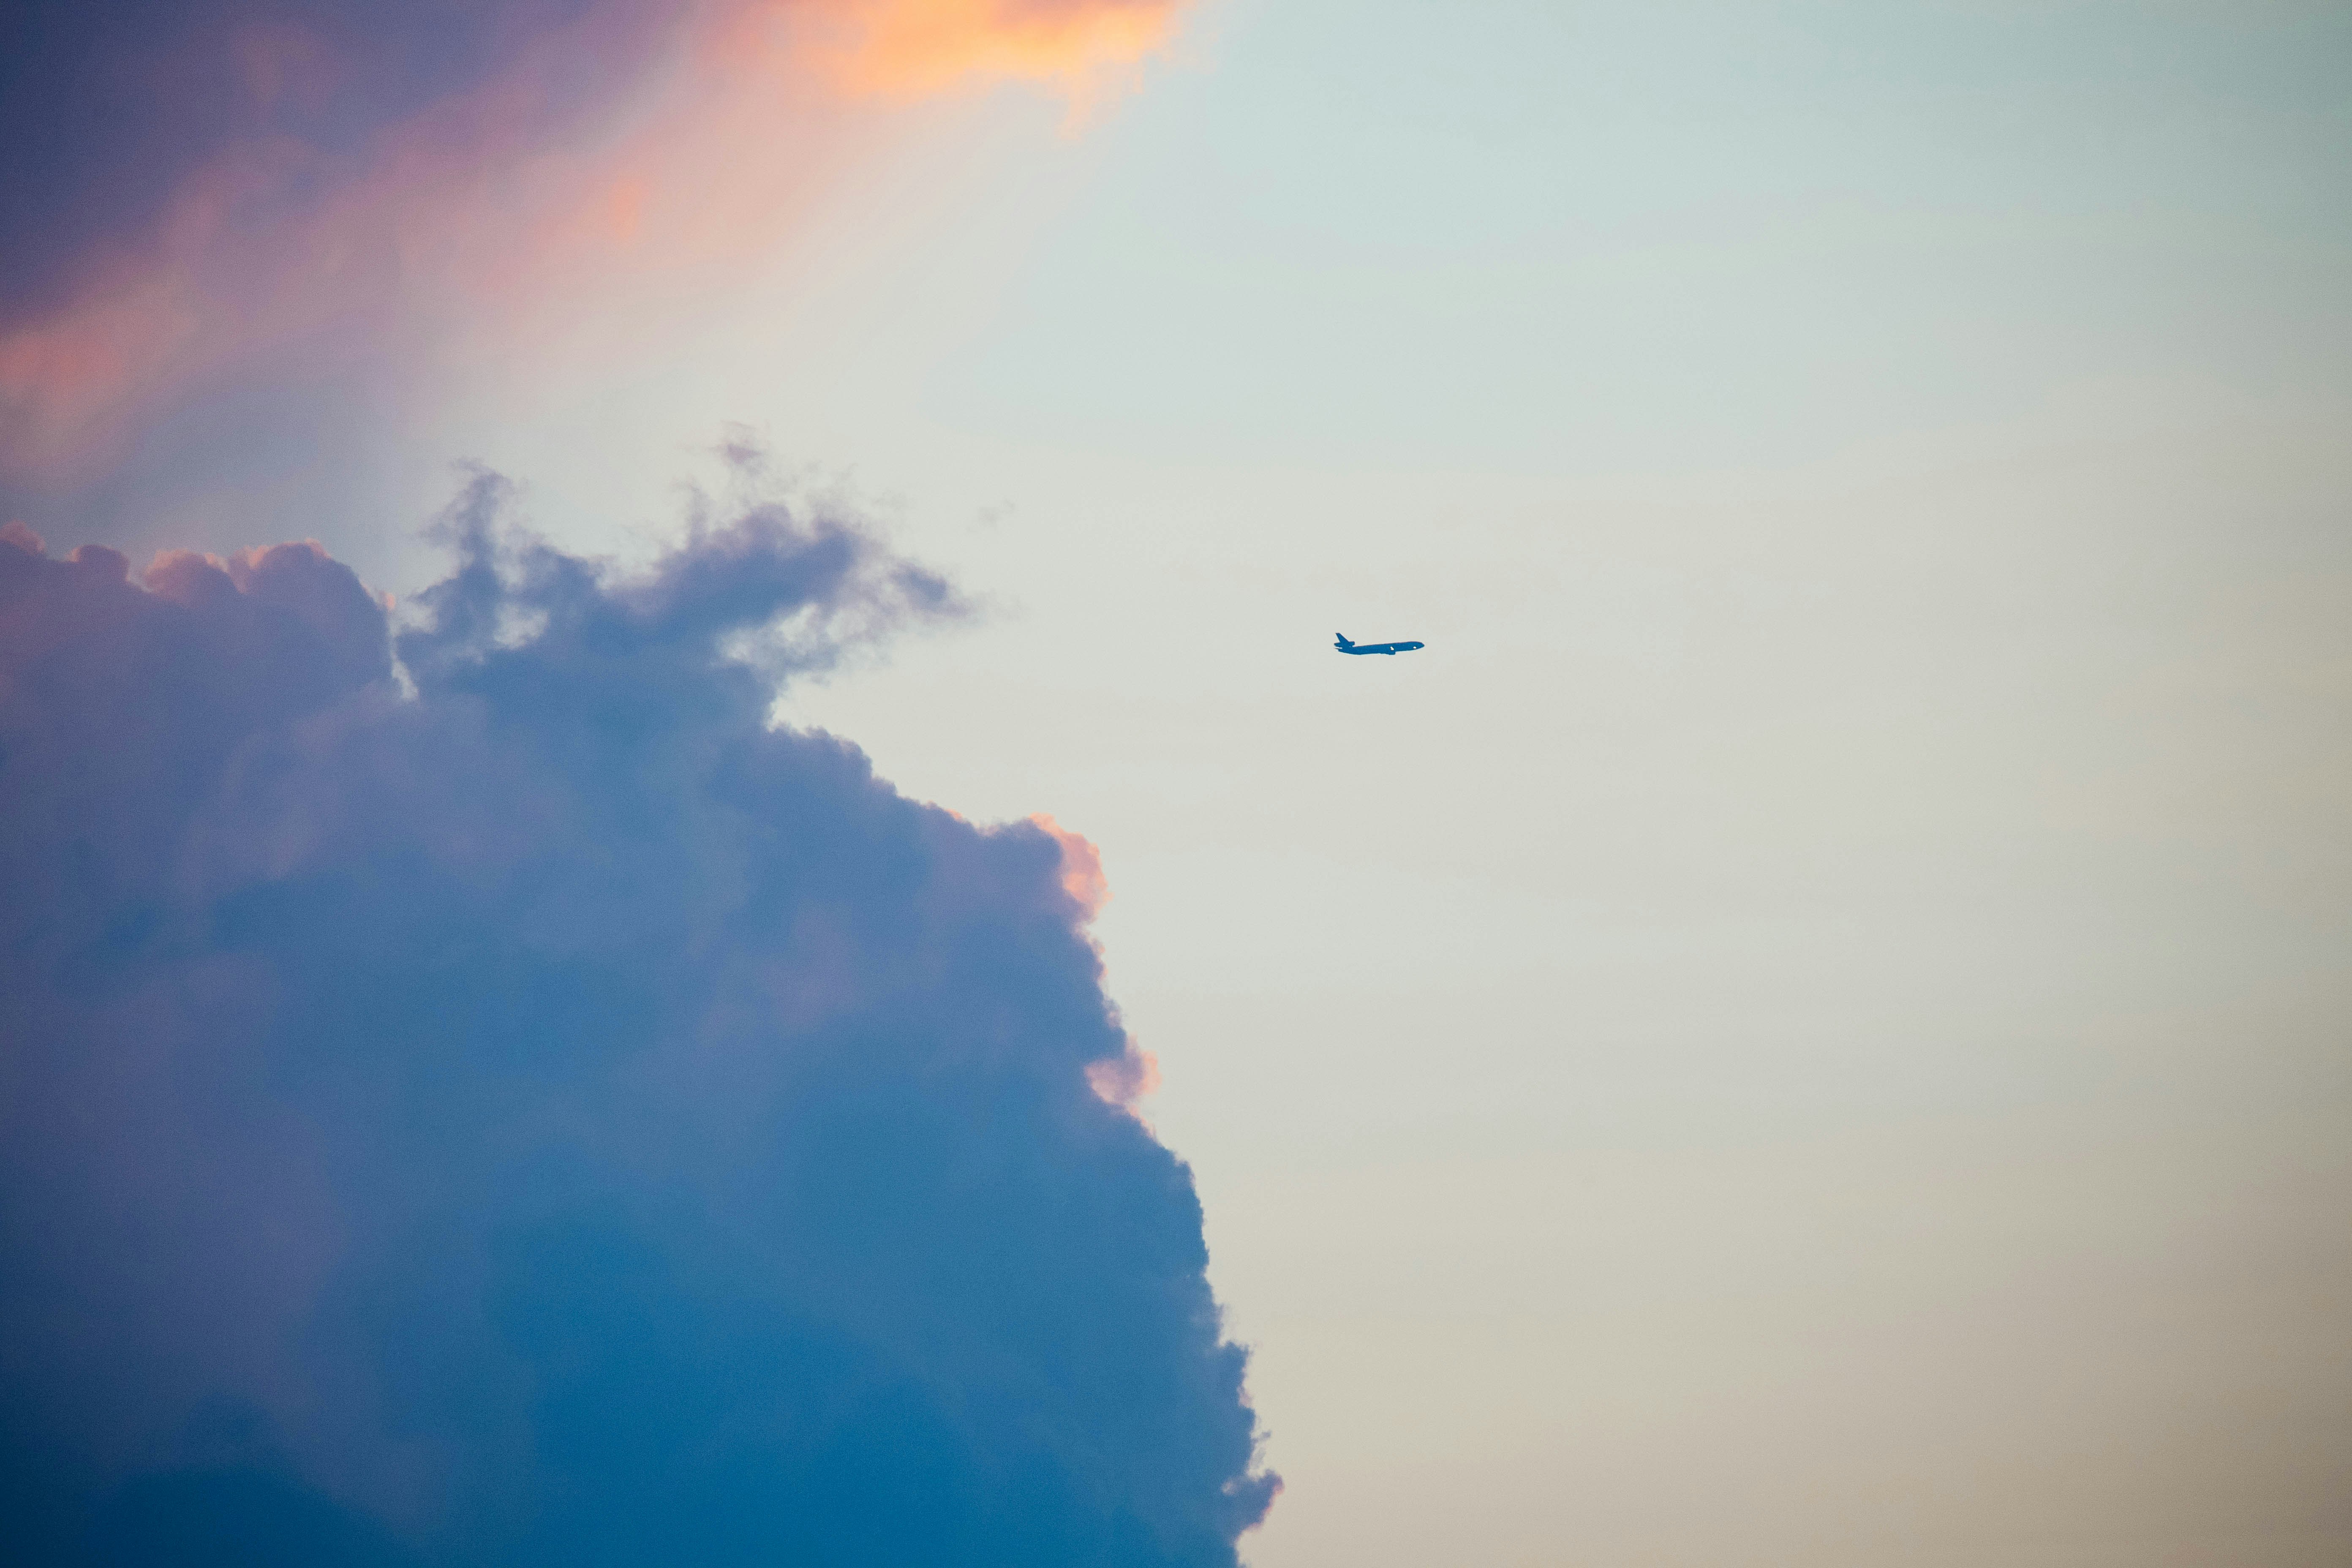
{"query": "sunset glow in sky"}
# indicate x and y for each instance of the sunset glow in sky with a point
(686, 877)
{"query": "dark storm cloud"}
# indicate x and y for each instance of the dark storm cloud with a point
(540, 1114)
(107, 109)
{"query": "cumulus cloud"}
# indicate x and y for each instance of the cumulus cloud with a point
(476, 1093)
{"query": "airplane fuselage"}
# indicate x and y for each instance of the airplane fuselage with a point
(1344, 646)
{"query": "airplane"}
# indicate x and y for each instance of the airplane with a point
(1344, 646)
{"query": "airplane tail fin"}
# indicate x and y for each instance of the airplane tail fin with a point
(1343, 639)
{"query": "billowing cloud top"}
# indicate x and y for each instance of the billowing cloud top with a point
(509, 1104)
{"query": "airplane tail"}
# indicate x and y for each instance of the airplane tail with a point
(1343, 639)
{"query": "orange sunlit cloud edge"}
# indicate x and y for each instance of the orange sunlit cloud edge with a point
(1123, 1079)
(915, 49)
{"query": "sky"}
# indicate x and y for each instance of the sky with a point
(1806, 1027)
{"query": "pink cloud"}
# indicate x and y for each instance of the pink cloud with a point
(1082, 871)
(702, 135)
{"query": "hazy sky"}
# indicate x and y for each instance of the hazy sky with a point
(1810, 1027)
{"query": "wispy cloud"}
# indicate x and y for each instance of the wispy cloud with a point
(346, 185)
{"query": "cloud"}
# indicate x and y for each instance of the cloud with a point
(911, 48)
(509, 1104)
(107, 112)
(195, 188)
(201, 184)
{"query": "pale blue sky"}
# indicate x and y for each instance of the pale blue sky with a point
(1564, 236)
(1808, 1027)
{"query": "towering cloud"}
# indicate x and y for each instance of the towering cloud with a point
(509, 1104)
